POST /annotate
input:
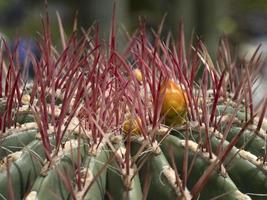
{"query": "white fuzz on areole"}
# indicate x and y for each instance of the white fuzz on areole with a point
(163, 130)
(247, 155)
(146, 144)
(76, 127)
(128, 178)
(210, 98)
(96, 147)
(57, 111)
(194, 147)
(206, 155)
(86, 178)
(261, 133)
(154, 147)
(70, 145)
(29, 125)
(20, 128)
(253, 127)
(253, 159)
(240, 196)
(226, 118)
(58, 93)
(6, 161)
(211, 130)
(14, 156)
(169, 173)
(138, 139)
(32, 196)
(120, 153)
(93, 150)
(68, 148)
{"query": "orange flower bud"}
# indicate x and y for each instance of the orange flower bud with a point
(174, 106)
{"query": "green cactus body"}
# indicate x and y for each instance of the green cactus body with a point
(121, 185)
(157, 173)
(249, 141)
(240, 168)
(23, 171)
(15, 140)
(93, 165)
(219, 183)
(50, 184)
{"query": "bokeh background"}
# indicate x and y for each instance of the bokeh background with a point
(244, 22)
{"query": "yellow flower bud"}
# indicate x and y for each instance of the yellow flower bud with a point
(132, 125)
(174, 106)
(25, 99)
(138, 74)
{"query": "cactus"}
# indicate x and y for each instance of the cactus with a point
(92, 124)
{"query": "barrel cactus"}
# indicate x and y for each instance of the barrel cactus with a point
(156, 121)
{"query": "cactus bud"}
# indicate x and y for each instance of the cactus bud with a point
(174, 106)
(132, 125)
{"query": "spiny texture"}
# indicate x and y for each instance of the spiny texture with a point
(90, 126)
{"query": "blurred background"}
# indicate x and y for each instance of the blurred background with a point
(243, 21)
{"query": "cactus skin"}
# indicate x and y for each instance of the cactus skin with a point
(240, 170)
(51, 185)
(24, 171)
(156, 163)
(94, 164)
(218, 184)
(250, 140)
(159, 187)
(117, 188)
(16, 141)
